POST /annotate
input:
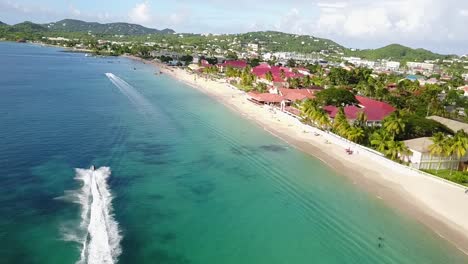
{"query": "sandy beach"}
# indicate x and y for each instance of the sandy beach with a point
(434, 202)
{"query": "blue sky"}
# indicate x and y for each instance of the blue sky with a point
(438, 25)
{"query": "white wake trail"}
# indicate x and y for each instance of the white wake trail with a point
(131, 93)
(101, 237)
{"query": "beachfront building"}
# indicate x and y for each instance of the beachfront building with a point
(237, 64)
(375, 110)
(422, 159)
(276, 76)
(282, 97)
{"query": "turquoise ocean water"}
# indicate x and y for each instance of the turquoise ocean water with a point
(191, 181)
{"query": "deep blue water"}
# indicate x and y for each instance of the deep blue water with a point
(192, 181)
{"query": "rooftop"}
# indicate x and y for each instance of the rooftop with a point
(452, 124)
(296, 94)
(266, 97)
(234, 64)
(419, 144)
(375, 110)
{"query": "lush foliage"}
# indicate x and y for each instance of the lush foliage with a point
(336, 97)
(417, 126)
(340, 76)
(460, 177)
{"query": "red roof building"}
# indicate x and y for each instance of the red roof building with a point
(375, 110)
(238, 64)
(265, 98)
(296, 94)
(277, 71)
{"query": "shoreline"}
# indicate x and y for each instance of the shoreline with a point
(441, 206)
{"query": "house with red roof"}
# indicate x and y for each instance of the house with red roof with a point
(265, 98)
(375, 110)
(238, 64)
(282, 97)
(293, 95)
(280, 74)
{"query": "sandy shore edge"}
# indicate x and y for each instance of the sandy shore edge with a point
(441, 206)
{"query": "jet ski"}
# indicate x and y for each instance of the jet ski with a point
(93, 168)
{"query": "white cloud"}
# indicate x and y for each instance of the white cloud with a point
(292, 21)
(332, 5)
(415, 22)
(464, 12)
(75, 11)
(140, 13)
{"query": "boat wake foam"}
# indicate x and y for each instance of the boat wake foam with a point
(131, 93)
(98, 232)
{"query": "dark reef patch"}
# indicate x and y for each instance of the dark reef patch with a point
(273, 148)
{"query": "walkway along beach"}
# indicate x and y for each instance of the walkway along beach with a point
(438, 204)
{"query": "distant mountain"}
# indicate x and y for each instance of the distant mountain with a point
(397, 52)
(3, 24)
(72, 25)
(27, 27)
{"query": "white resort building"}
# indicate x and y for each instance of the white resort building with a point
(422, 159)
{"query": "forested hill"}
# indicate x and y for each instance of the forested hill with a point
(397, 52)
(72, 25)
(26, 27)
(3, 24)
(279, 41)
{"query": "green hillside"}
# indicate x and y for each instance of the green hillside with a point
(27, 27)
(278, 41)
(72, 25)
(397, 52)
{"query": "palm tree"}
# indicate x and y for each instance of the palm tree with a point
(449, 142)
(394, 124)
(438, 147)
(397, 148)
(307, 81)
(322, 119)
(380, 140)
(340, 124)
(282, 74)
(269, 76)
(361, 119)
(355, 134)
(308, 109)
(459, 145)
